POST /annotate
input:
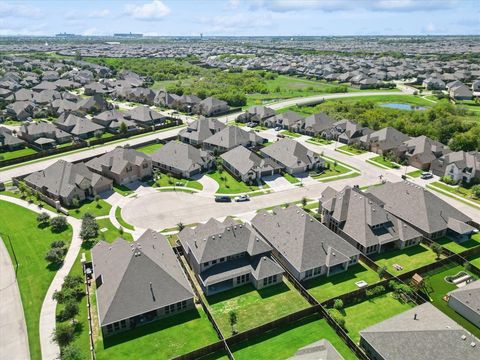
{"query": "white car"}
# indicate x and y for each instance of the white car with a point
(242, 198)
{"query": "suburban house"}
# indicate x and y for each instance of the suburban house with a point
(162, 98)
(186, 103)
(461, 166)
(43, 134)
(423, 332)
(421, 151)
(112, 120)
(383, 141)
(9, 142)
(287, 120)
(293, 156)
(211, 107)
(363, 222)
(224, 255)
(93, 104)
(256, 114)
(465, 300)
(183, 160)
(316, 124)
(247, 166)
(231, 137)
(137, 283)
(122, 165)
(144, 116)
(347, 132)
(200, 130)
(20, 110)
(424, 211)
(306, 247)
(79, 126)
(432, 83)
(64, 181)
(460, 92)
(319, 350)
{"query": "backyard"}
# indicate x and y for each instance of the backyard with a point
(229, 185)
(254, 307)
(284, 342)
(34, 274)
(451, 245)
(16, 153)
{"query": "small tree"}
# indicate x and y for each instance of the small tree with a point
(338, 304)
(233, 320)
(70, 310)
(75, 203)
(63, 334)
(304, 201)
(382, 270)
(58, 224)
(89, 229)
(476, 191)
(123, 128)
(97, 201)
(437, 249)
(43, 219)
(55, 256)
(71, 353)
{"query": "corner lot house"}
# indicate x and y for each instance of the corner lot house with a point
(137, 283)
(316, 124)
(421, 151)
(307, 248)
(9, 142)
(200, 130)
(466, 301)
(182, 159)
(321, 349)
(293, 156)
(423, 332)
(211, 107)
(459, 165)
(231, 137)
(226, 255)
(64, 181)
(122, 165)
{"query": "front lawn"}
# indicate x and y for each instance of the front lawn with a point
(289, 133)
(34, 275)
(16, 153)
(382, 162)
(333, 169)
(122, 190)
(111, 233)
(410, 258)
(475, 261)
(254, 307)
(451, 245)
(324, 288)
(149, 149)
(415, 174)
(284, 342)
(291, 179)
(370, 312)
(350, 150)
(162, 180)
(229, 185)
(318, 141)
(101, 208)
(163, 339)
(457, 190)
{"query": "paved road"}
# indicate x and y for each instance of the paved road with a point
(13, 330)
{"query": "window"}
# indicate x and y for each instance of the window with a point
(123, 324)
(129, 168)
(222, 259)
(214, 262)
(116, 326)
(308, 273)
(184, 304)
(109, 328)
(270, 280)
(317, 271)
(179, 306)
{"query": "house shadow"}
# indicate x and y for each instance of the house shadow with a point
(411, 251)
(336, 279)
(147, 329)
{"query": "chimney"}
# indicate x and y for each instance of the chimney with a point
(415, 316)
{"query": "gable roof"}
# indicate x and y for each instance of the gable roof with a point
(245, 160)
(117, 160)
(319, 350)
(201, 129)
(468, 295)
(290, 153)
(181, 156)
(232, 136)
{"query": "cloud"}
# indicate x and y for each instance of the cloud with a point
(99, 13)
(154, 10)
(430, 28)
(17, 10)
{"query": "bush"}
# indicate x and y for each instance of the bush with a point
(89, 229)
(382, 270)
(338, 317)
(476, 191)
(69, 311)
(338, 304)
(448, 180)
(59, 224)
(43, 219)
(377, 290)
(71, 353)
(63, 334)
(55, 255)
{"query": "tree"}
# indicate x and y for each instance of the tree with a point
(58, 224)
(75, 203)
(71, 353)
(304, 201)
(382, 270)
(63, 334)
(437, 249)
(71, 281)
(123, 128)
(89, 229)
(233, 320)
(97, 201)
(43, 219)
(338, 304)
(476, 191)
(55, 256)
(69, 311)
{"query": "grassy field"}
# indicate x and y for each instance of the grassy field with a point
(324, 288)
(438, 288)
(111, 233)
(371, 312)
(230, 185)
(382, 162)
(34, 274)
(254, 307)
(350, 150)
(101, 208)
(384, 99)
(16, 153)
(415, 173)
(409, 258)
(285, 341)
(165, 180)
(150, 149)
(118, 216)
(451, 245)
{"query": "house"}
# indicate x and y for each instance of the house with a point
(144, 116)
(293, 156)
(465, 300)
(183, 160)
(231, 137)
(383, 141)
(316, 124)
(211, 107)
(460, 92)
(287, 120)
(422, 210)
(95, 88)
(9, 142)
(362, 220)
(459, 165)
(224, 255)
(112, 120)
(432, 83)
(423, 332)
(20, 110)
(162, 98)
(136, 94)
(93, 104)
(137, 283)
(122, 165)
(36, 133)
(306, 247)
(247, 166)
(476, 86)
(347, 132)
(64, 181)
(256, 114)
(321, 349)
(200, 130)
(186, 103)
(80, 127)
(421, 151)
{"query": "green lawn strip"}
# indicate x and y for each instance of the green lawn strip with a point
(475, 261)
(383, 99)
(340, 162)
(457, 190)
(318, 141)
(101, 208)
(298, 202)
(164, 180)
(30, 198)
(149, 149)
(229, 185)
(350, 150)
(34, 274)
(254, 307)
(118, 216)
(410, 258)
(284, 342)
(289, 133)
(415, 173)
(451, 245)
(334, 170)
(450, 194)
(438, 288)
(163, 339)
(324, 288)
(16, 153)
(383, 163)
(347, 176)
(291, 179)
(122, 190)
(111, 233)
(371, 312)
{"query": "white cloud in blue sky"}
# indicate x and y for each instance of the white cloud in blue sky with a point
(240, 17)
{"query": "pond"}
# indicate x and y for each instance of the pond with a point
(399, 106)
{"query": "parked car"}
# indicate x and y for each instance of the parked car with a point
(426, 176)
(251, 124)
(278, 128)
(222, 198)
(280, 136)
(242, 198)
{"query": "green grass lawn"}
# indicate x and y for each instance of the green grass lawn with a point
(118, 216)
(163, 180)
(112, 233)
(284, 342)
(415, 173)
(385, 99)
(409, 258)
(91, 206)
(318, 141)
(291, 179)
(34, 275)
(149, 149)
(122, 190)
(16, 153)
(289, 133)
(230, 185)
(324, 288)
(457, 190)
(438, 288)
(350, 150)
(451, 245)
(382, 162)
(334, 170)
(254, 307)
(163, 339)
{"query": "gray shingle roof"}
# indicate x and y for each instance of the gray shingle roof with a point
(233, 136)
(290, 153)
(319, 350)
(117, 159)
(468, 295)
(245, 160)
(181, 156)
(201, 129)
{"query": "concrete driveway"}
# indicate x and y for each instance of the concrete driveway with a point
(277, 182)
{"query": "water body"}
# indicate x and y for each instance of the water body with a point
(402, 106)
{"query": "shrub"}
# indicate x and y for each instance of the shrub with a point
(448, 180)
(476, 191)
(69, 311)
(58, 224)
(338, 304)
(71, 353)
(63, 334)
(338, 317)
(43, 219)
(89, 229)
(382, 270)
(377, 290)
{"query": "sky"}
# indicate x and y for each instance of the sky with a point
(241, 17)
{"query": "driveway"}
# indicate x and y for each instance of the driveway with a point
(277, 182)
(210, 186)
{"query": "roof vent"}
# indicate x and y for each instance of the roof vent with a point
(472, 344)
(464, 337)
